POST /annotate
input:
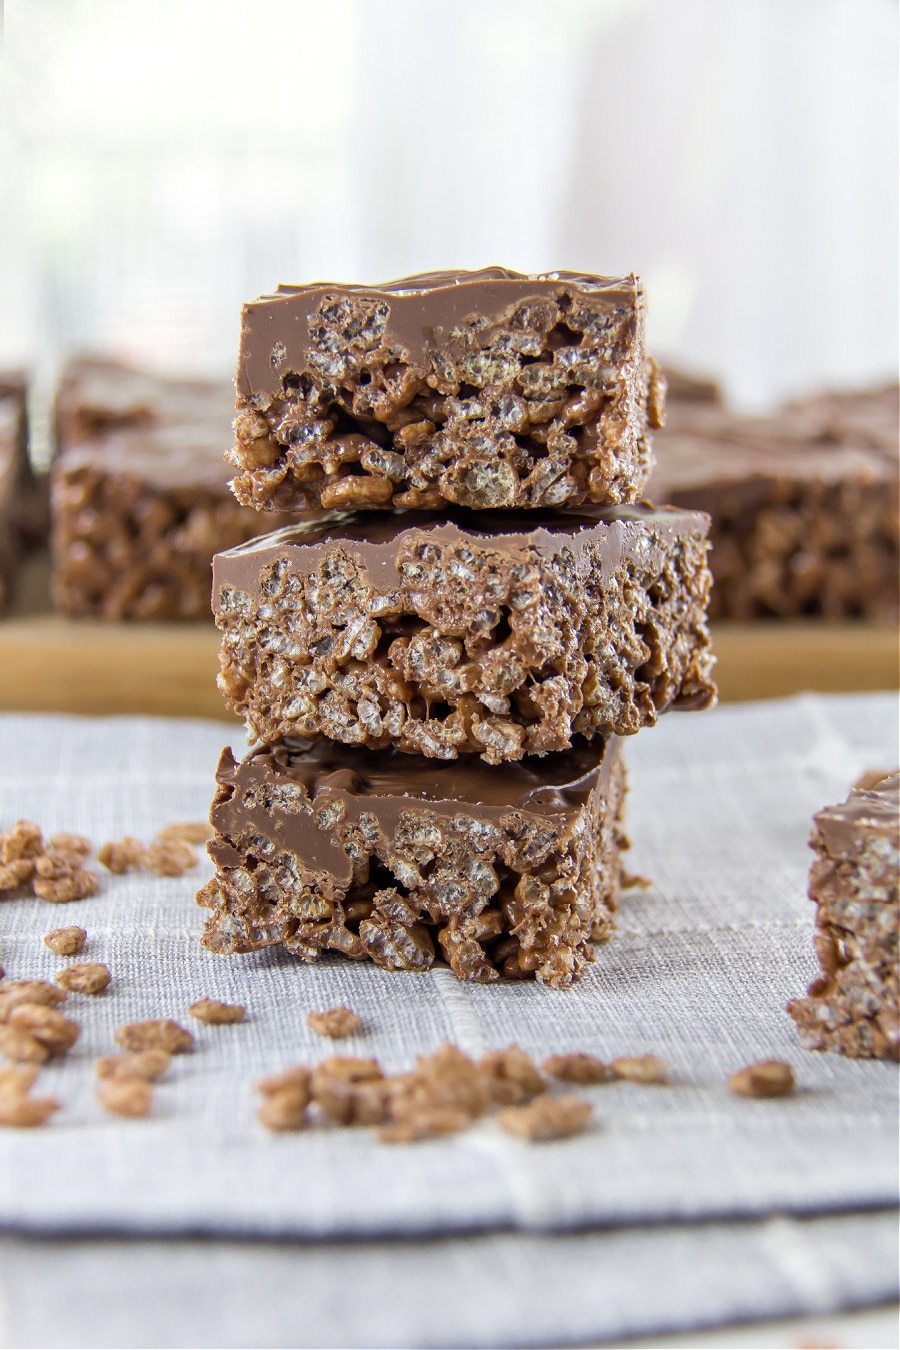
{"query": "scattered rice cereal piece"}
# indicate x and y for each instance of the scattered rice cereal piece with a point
(511, 1076)
(360, 1103)
(65, 941)
(59, 880)
(336, 1022)
(447, 1079)
(428, 1123)
(169, 858)
(215, 1013)
(28, 991)
(188, 832)
(155, 1033)
(85, 977)
(283, 1110)
(21, 1046)
(768, 1078)
(122, 855)
(18, 1078)
(295, 1078)
(641, 1069)
(634, 881)
(126, 1096)
(344, 1068)
(22, 840)
(21, 1112)
(147, 1064)
(66, 842)
(15, 874)
(46, 1025)
(578, 1067)
(546, 1118)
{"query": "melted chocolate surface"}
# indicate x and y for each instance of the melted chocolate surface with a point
(377, 537)
(422, 310)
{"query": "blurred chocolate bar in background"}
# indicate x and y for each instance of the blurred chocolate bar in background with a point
(139, 498)
(23, 496)
(804, 503)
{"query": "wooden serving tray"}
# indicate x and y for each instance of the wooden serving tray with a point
(51, 664)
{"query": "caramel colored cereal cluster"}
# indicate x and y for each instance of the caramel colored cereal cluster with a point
(215, 1013)
(149, 1064)
(768, 1078)
(155, 1033)
(126, 1096)
(18, 1109)
(547, 1118)
(53, 871)
(648, 1069)
(445, 1093)
(86, 977)
(578, 1068)
(335, 1022)
(167, 857)
(66, 941)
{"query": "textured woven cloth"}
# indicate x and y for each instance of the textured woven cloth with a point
(699, 972)
(493, 1289)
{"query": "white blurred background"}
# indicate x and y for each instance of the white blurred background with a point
(163, 163)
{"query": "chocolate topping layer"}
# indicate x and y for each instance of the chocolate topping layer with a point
(376, 538)
(279, 330)
(536, 785)
(386, 783)
(511, 872)
(844, 827)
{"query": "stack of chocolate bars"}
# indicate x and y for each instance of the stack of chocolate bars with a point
(441, 658)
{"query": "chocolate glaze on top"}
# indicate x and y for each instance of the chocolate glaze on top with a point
(845, 828)
(376, 538)
(385, 783)
(422, 310)
(550, 783)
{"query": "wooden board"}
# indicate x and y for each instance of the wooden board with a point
(51, 664)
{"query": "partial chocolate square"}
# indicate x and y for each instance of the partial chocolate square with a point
(23, 497)
(868, 418)
(486, 389)
(853, 1007)
(140, 496)
(504, 871)
(804, 504)
(495, 634)
(96, 396)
